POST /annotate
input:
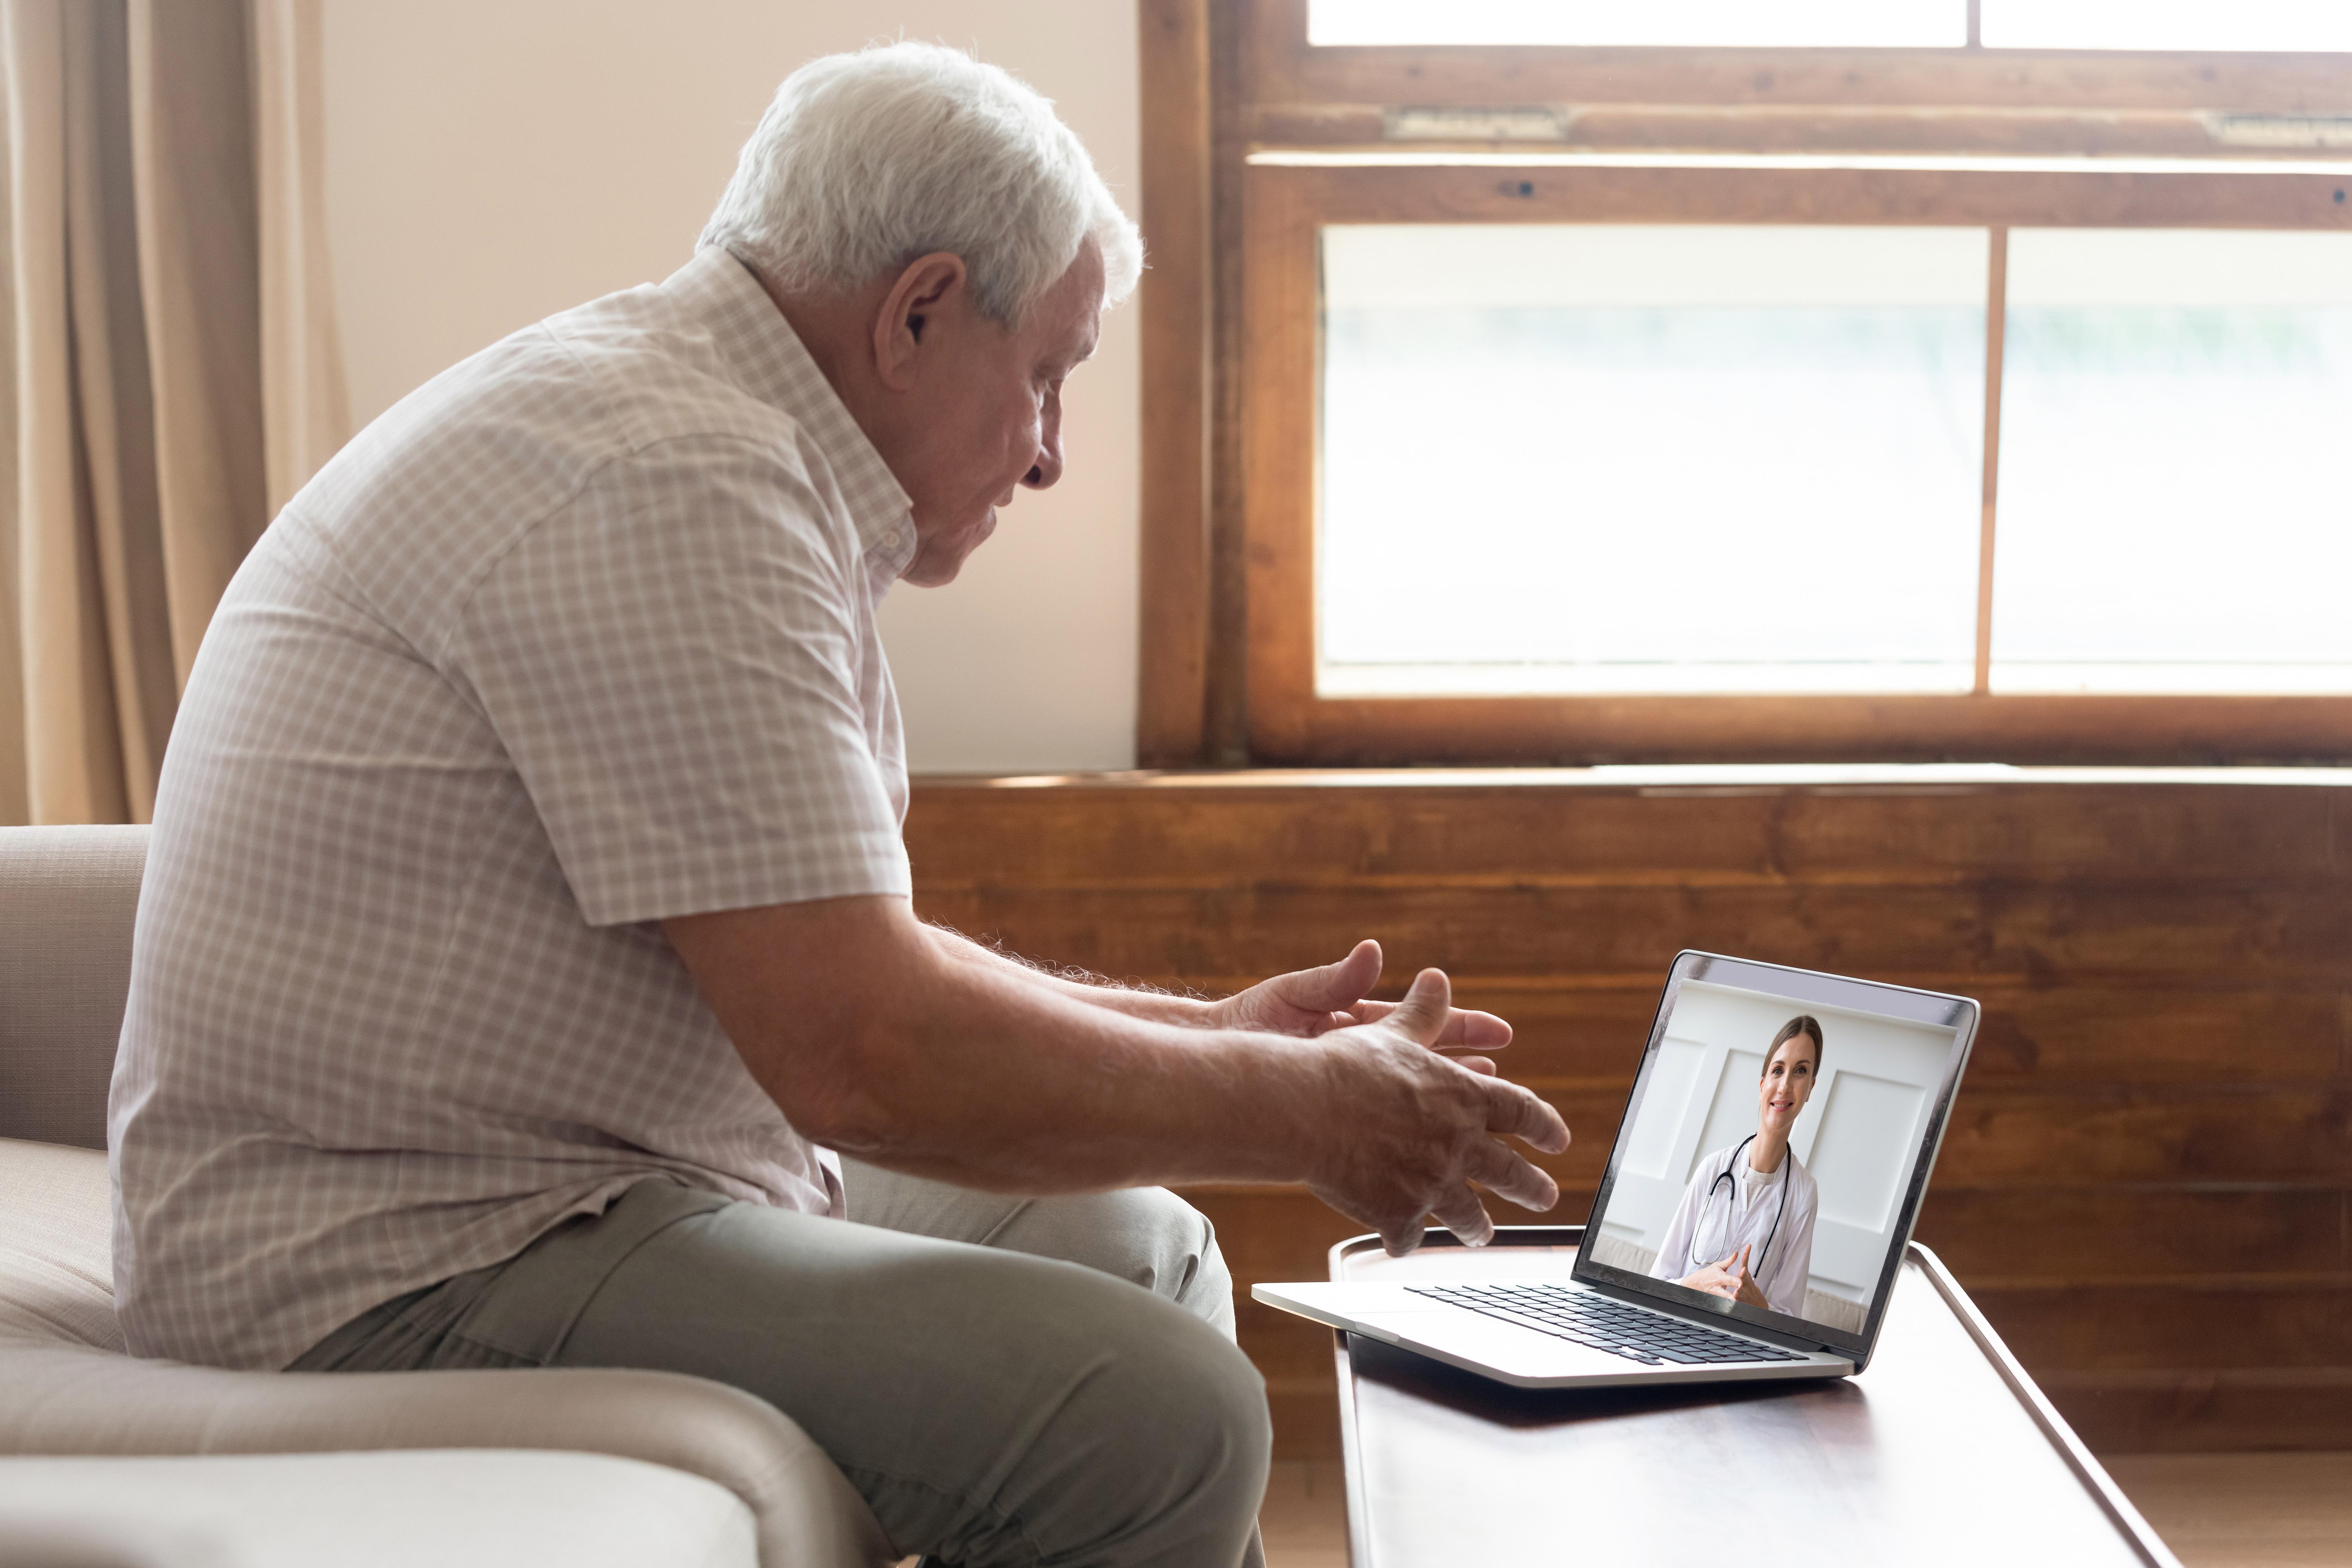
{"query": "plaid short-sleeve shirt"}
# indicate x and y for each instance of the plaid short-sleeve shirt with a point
(578, 636)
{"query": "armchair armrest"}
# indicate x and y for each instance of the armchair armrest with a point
(67, 1399)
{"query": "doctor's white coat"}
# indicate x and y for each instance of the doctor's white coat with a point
(1741, 1214)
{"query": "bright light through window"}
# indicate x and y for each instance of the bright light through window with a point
(1821, 23)
(1605, 458)
(2175, 413)
(2200, 25)
(2323, 26)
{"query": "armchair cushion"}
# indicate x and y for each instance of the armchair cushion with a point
(56, 1277)
(67, 1389)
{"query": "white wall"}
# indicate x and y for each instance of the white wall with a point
(491, 162)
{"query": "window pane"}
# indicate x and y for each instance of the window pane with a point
(1819, 24)
(2175, 412)
(2287, 25)
(1617, 457)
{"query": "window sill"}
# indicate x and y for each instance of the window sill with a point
(1865, 778)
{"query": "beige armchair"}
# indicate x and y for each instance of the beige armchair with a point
(107, 1458)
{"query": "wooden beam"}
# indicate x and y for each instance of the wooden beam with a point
(1958, 79)
(1175, 297)
(1575, 731)
(1799, 127)
(2291, 935)
(1996, 332)
(1229, 93)
(1519, 185)
(1526, 828)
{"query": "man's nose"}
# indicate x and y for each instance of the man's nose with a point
(1048, 468)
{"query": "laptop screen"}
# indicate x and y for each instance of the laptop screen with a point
(1775, 1145)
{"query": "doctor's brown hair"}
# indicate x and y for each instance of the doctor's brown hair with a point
(1802, 1024)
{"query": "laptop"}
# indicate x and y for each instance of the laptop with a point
(1762, 1188)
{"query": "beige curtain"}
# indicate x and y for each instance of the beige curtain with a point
(176, 371)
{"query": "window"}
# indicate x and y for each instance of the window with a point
(1642, 458)
(2173, 515)
(1811, 381)
(1794, 23)
(2077, 25)
(1654, 458)
(2183, 25)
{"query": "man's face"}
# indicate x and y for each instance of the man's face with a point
(984, 414)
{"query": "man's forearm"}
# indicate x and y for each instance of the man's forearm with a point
(969, 1067)
(872, 1035)
(1135, 1000)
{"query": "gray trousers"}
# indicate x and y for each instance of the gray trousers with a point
(985, 1371)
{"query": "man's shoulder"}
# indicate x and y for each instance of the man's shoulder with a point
(555, 401)
(665, 362)
(623, 398)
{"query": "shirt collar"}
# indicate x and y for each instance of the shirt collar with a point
(763, 355)
(1753, 1181)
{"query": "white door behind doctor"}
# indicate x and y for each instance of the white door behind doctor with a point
(1857, 1134)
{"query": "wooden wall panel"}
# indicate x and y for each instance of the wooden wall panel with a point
(1192, 830)
(2093, 1033)
(2147, 1182)
(2275, 935)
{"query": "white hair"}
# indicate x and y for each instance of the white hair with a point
(866, 161)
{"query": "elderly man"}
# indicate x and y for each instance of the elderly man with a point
(526, 919)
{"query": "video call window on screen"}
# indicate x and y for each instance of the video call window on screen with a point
(1841, 1101)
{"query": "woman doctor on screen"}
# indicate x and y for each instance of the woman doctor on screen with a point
(1744, 1227)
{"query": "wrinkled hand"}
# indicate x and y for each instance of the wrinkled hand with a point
(1314, 1002)
(1408, 1131)
(1729, 1278)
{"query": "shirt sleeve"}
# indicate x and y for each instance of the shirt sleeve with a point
(672, 662)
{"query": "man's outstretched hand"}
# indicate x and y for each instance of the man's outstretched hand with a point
(1314, 1002)
(928, 1055)
(1409, 1131)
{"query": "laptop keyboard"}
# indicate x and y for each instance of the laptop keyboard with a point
(1604, 1324)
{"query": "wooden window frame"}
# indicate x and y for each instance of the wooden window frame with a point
(1257, 139)
(1958, 99)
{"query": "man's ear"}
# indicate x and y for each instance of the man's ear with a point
(930, 285)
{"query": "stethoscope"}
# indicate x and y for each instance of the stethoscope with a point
(1723, 1178)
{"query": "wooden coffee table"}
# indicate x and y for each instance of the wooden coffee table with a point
(1943, 1451)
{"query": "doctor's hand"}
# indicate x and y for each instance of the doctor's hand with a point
(1747, 1290)
(1405, 1132)
(1729, 1279)
(1313, 1002)
(1715, 1279)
